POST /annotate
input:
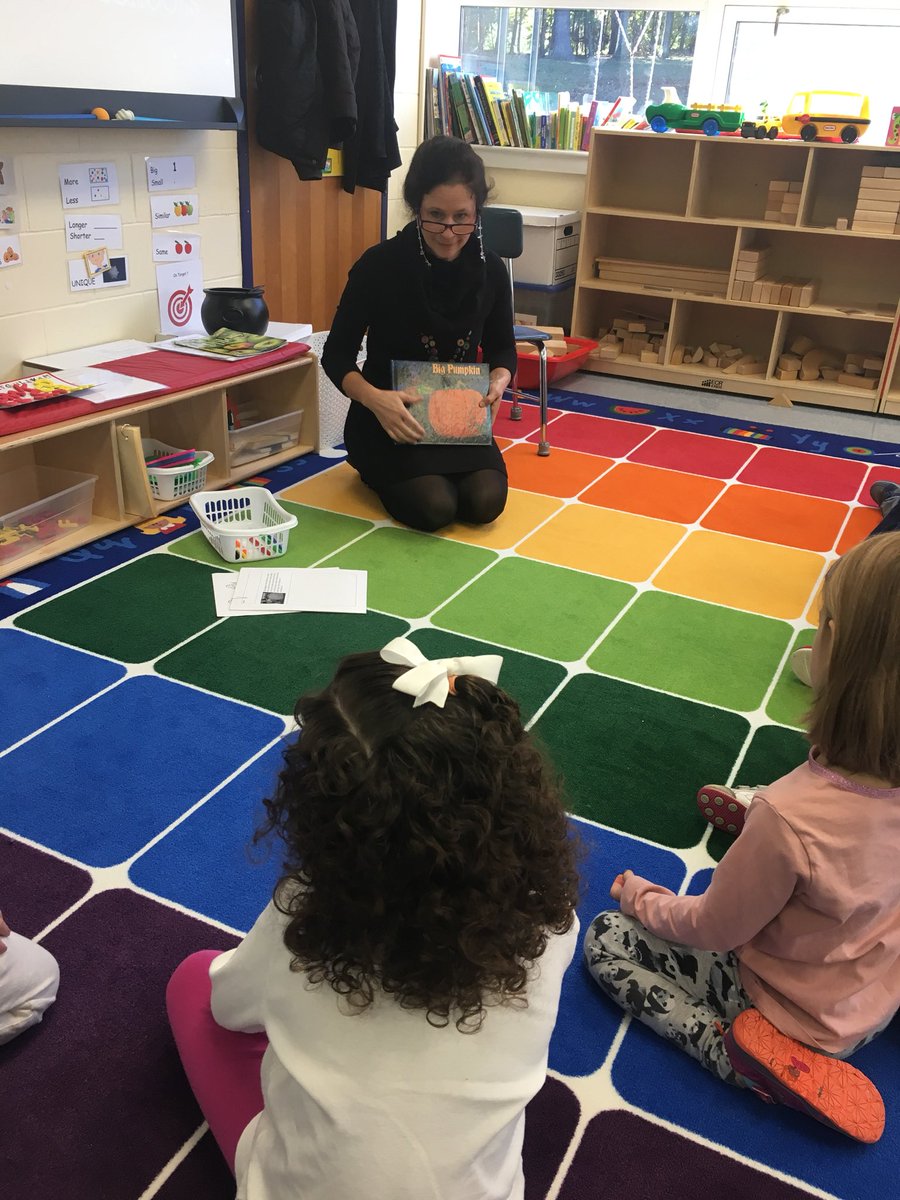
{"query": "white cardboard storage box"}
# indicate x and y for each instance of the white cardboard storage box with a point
(550, 253)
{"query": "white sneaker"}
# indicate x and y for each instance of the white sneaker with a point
(801, 664)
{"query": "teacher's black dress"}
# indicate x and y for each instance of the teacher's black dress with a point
(413, 306)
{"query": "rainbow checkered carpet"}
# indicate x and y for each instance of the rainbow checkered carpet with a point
(646, 586)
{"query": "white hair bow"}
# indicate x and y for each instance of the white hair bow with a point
(428, 680)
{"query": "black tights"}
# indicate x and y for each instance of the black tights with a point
(430, 502)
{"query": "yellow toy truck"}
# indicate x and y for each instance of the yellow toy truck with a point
(827, 116)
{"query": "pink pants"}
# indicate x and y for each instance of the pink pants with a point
(222, 1066)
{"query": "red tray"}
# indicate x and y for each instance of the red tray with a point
(558, 365)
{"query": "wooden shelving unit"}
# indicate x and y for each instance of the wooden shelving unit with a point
(195, 417)
(688, 201)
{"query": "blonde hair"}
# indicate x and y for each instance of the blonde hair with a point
(855, 717)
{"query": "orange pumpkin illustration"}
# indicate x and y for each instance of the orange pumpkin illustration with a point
(456, 412)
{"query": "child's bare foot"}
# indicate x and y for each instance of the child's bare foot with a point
(785, 1071)
(725, 808)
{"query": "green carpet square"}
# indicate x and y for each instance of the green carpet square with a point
(702, 651)
(532, 606)
(633, 759)
(270, 661)
(527, 679)
(133, 614)
(791, 699)
(411, 573)
(316, 534)
(773, 752)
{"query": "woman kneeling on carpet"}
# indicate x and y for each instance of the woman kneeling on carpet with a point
(431, 293)
(399, 993)
(790, 961)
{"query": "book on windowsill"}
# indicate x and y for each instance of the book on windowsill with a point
(450, 409)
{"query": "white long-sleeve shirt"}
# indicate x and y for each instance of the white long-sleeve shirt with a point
(380, 1103)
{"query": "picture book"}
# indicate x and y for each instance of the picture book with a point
(450, 410)
(230, 344)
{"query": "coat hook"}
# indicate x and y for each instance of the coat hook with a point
(779, 13)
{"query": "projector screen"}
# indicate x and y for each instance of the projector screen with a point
(183, 47)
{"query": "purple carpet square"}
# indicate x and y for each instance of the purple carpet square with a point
(201, 1175)
(588, 1020)
(550, 1121)
(98, 785)
(100, 1078)
(35, 888)
(623, 1155)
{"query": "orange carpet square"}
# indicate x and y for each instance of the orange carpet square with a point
(339, 489)
(759, 577)
(604, 542)
(789, 518)
(654, 492)
(524, 512)
(861, 523)
(564, 473)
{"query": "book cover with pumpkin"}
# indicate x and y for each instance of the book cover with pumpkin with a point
(450, 410)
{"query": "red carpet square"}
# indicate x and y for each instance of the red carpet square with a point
(695, 453)
(783, 517)
(530, 419)
(596, 435)
(892, 474)
(811, 474)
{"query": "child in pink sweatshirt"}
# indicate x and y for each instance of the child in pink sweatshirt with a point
(791, 959)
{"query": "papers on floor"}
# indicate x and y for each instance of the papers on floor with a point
(88, 356)
(107, 385)
(263, 591)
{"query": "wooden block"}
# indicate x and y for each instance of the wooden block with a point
(807, 295)
(830, 373)
(789, 362)
(772, 215)
(858, 381)
(842, 223)
(737, 289)
(873, 364)
(555, 331)
(796, 289)
(808, 375)
(753, 256)
(677, 356)
(851, 368)
(731, 367)
(778, 185)
(780, 400)
(877, 203)
(756, 293)
(527, 348)
(858, 360)
(750, 368)
(871, 227)
(795, 187)
(881, 185)
(697, 356)
(873, 172)
(791, 201)
(734, 354)
(820, 356)
(710, 360)
(801, 344)
(892, 172)
(781, 373)
(649, 356)
(637, 327)
(871, 374)
(785, 297)
(610, 352)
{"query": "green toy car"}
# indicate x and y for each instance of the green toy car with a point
(710, 119)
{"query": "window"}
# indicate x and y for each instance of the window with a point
(591, 53)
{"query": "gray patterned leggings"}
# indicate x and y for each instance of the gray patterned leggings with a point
(688, 996)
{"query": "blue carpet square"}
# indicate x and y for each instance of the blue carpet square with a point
(207, 862)
(40, 680)
(101, 783)
(588, 1021)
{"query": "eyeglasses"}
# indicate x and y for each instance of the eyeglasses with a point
(459, 228)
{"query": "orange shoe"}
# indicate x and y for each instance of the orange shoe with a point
(785, 1071)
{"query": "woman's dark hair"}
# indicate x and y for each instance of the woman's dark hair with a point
(428, 853)
(444, 160)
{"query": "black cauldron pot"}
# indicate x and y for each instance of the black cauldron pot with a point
(241, 309)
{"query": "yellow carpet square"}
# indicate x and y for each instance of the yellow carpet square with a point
(604, 542)
(339, 489)
(524, 512)
(756, 576)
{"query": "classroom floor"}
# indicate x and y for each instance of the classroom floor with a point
(646, 586)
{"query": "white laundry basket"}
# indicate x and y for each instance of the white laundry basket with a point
(168, 483)
(244, 524)
(333, 404)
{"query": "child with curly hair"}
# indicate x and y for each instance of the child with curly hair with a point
(791, 959)
(398, 994)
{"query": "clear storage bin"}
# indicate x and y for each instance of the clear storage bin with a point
(41, 505)
(265, 438)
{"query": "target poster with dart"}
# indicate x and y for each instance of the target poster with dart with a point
(180, 288)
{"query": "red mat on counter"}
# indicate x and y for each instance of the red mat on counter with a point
(176, 372)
